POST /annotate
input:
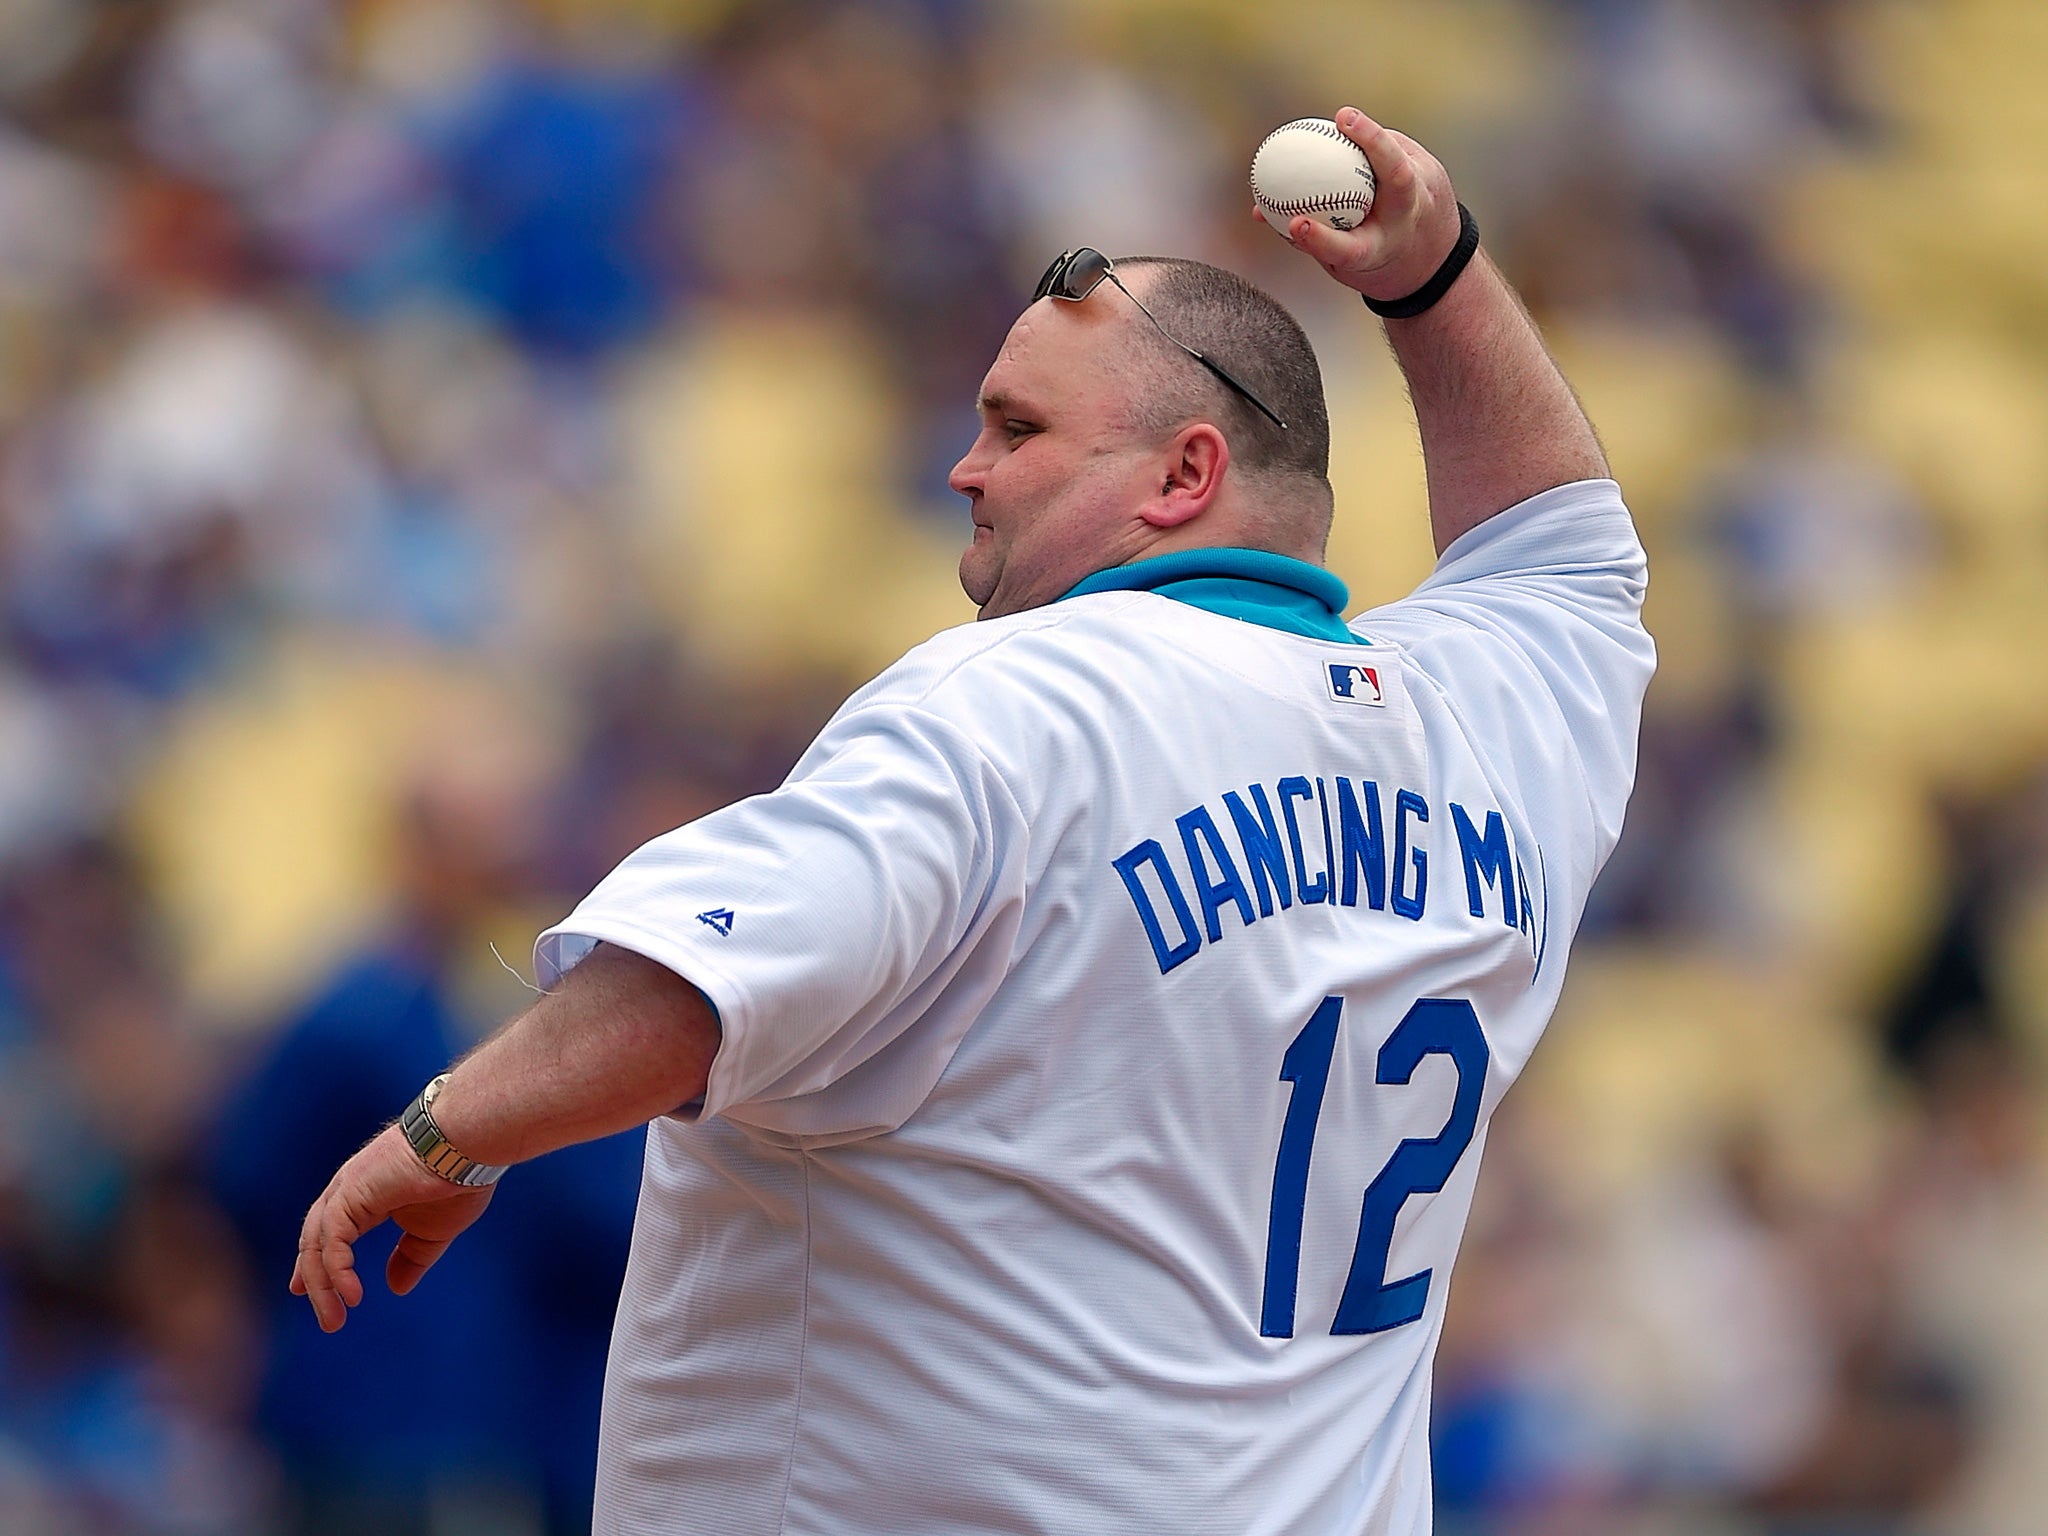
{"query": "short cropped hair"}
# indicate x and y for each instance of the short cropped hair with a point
(1249, 332)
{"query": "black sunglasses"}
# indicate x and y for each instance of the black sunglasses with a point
(1077, 273)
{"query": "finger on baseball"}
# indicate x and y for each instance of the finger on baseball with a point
(1393, 167)
(1368, 135)
(1309, 235)
(1331, 247)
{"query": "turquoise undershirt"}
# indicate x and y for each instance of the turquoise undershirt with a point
(1254, 585)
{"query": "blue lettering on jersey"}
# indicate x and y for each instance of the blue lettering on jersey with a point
(1150, 853)
(1329, 845)
(1197, 826)
(1263, 853)
(1409, 903)
(1292, 789)
(1528, 912)
(1365, 847)
(1487, 863)
(1265, 868)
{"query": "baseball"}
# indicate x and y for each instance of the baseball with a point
(1309, 167)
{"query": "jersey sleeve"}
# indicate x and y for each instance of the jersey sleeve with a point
(1531, 628)
(848, 927)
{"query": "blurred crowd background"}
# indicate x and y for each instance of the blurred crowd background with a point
(445, 442)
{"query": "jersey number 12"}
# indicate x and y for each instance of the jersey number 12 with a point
(1371, 1303)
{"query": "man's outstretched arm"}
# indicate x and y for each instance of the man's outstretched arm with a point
(618, 1042)
(1498, 421)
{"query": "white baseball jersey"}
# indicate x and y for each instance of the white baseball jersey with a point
(1114, 998)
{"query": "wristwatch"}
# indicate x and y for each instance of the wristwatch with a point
(417, 1124)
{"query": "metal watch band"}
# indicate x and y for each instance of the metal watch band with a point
(434, 1149)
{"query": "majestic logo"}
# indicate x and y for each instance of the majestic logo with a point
(1351, 683)
(719, 920)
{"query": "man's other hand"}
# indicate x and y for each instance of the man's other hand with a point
(385, 1181)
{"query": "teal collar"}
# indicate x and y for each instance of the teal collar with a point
(1254, 585)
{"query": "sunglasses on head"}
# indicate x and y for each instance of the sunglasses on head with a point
(1077, 273)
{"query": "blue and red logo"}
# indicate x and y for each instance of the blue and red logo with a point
(1353, 683)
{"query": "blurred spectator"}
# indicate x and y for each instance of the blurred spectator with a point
(1951, 1007)
(126, 1397)
(478, 1393)
(554, 171)
(1667, 186)
(851, 131)
(1809, 526)
(1973, 1234)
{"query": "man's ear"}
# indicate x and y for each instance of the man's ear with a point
(1191, 470)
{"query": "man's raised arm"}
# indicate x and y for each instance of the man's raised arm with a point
(1498, 421)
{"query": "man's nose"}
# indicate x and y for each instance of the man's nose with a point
(967, 475)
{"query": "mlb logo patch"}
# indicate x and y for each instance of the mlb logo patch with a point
(1352, 682)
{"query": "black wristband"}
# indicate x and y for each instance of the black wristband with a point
(1439, 284)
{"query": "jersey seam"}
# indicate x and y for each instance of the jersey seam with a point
(1262, 682)
(960, 737)
(974, 749)
(1387, 650)
(803, 1349)
(993, 848)
(1542, 690)
(1354, 638)
(919, 701)
(1489, 771)
(1043, 621)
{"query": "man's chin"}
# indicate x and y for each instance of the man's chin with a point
(980, 589)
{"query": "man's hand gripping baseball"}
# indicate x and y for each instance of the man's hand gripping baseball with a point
(1498, 422)
(1411, 228)
(386, 1181)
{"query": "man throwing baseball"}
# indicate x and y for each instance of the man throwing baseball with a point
(1068, 1087)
